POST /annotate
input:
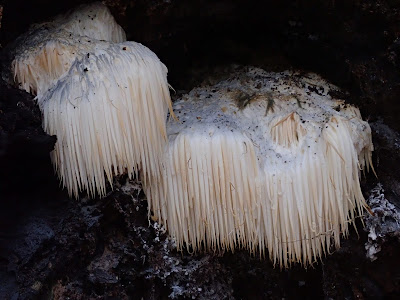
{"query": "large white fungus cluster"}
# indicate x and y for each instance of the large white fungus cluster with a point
(106, 99)
(263, 161)
(269, 162)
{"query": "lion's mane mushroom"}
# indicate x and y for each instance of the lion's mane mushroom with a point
(47, 50)
(109, 113)
(263, 161)
(106, 102)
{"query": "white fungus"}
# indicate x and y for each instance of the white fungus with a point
(263, 161)
(47, 50)
(109, 113)
(93, 20)
(106, 100)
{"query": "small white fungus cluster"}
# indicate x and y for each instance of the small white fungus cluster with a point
(105, 99)
(49, 49)
(263, 161)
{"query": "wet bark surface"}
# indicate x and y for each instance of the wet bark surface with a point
(53, 246)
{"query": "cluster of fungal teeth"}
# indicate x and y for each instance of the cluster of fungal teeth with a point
(104, 98)
(286, 181)
(269, 162)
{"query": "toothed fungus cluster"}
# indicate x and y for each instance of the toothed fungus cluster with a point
(263, 161)
(104, 98)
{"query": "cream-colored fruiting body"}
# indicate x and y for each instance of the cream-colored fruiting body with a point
(48, 50)
(109, 113)
(106, 100)
(263, 161)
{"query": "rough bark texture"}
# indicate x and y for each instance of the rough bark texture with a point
(53, 246)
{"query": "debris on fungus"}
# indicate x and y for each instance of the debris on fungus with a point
(109, 115)
(93, 20)
(45, 57)
(106, 102)
(246, 176)
(47, 50)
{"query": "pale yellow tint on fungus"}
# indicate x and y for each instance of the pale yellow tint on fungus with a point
(263, 161)
(47, 50)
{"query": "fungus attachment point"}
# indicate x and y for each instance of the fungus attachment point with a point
(286, 181)
(106, 102)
